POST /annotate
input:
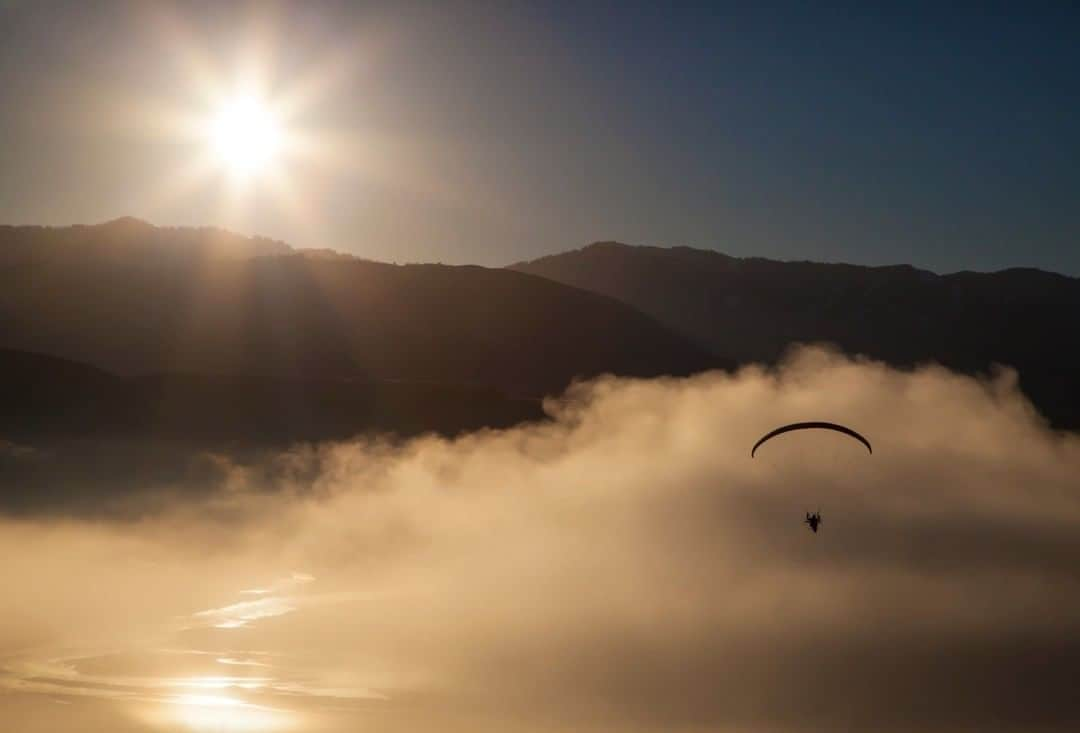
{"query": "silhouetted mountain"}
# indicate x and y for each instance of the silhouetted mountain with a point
(752, 309)
(133, 298)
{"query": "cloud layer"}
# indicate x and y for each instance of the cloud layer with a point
(624, 567)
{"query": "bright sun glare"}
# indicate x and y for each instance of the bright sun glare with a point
(245, 127)
(245, 135)
(205, 713)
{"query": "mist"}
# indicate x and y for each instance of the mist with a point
(624, 566)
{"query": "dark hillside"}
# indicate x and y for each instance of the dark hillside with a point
(68, 430)
(752, 309)
(134, 299)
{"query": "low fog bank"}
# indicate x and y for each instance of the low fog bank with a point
(625, 566)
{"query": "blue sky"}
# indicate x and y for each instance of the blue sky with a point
(491, 132)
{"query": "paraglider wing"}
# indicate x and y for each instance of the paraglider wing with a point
(808, 425)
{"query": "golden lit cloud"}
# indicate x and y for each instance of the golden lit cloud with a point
(625, 567)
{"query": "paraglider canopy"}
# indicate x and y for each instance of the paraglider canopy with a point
(808, 426)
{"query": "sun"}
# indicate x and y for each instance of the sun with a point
(240, 125)
(245, 135)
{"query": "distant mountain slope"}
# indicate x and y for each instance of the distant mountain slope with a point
(132, 298)
(46, 397)
(71, 433)
(752, 309)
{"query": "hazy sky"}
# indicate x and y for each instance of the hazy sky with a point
(490, 132)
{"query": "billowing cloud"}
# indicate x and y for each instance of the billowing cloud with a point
(624, 567)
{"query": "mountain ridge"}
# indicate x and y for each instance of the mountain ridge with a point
(615, 245)
(754, 309)
(132, 298)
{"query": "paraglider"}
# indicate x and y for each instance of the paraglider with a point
(810, 425)
(813, 520)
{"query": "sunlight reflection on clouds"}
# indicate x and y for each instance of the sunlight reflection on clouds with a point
(221, 714)
(268, 701)
(241, 662)
(240, 614)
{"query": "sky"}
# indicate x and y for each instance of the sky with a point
(940, 135)
(626, 567)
